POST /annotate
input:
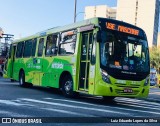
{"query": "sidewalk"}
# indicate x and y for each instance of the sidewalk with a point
(154, 95)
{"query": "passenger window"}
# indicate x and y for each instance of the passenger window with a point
(40, 46)
(68, 43)
(27, 48)
(19, 50)
(34, 43)
(51, 48)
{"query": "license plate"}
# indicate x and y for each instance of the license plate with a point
(128, 90)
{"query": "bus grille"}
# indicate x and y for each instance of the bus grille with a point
(128, 85)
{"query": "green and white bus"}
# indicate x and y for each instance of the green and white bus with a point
(98, 56)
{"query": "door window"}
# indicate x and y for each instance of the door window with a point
(51, 48)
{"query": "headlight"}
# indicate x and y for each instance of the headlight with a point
(105, 76)
(146, 81)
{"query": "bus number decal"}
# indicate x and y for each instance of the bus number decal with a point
(57, 65)
(121, 81)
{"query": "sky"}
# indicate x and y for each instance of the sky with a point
(26, 17)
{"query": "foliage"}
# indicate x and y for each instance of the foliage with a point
(155, 57)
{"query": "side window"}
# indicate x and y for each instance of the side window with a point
(19, 50)
(27, 48)
(10, 51)
(40, 46)
(34, 43)
(51, 45)
(68, 43)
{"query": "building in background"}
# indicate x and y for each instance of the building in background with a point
(142, 13)
(100, 11)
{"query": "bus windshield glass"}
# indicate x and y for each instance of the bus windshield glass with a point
(123, 51)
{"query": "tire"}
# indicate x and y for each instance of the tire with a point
(108, 98)
(67, 87)
(12, 80)
(22, 79)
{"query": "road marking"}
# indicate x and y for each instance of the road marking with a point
(72, 106)
(72, 101)
(157, 113)
(137, 100)
(124, 100)
(68, 112)
(126, 104)
(9, 114)
(139, 103)
(135, 104)
(10, 102)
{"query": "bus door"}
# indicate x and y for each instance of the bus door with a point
(85, 82)
(38, 62)
(13, 51)
(50, 77)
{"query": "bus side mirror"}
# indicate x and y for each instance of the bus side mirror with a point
(99, 37)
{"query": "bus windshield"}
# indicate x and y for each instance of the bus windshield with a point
(125, 52)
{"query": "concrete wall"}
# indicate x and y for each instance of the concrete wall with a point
(141, 14)
(100, 11)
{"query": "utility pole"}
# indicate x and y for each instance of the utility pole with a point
(75, 10)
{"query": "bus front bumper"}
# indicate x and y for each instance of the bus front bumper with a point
(104, 89)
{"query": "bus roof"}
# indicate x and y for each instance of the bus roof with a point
(74, 25)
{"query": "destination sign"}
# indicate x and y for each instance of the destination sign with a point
(122, 28)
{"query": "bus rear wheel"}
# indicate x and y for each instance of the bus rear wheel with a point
(67, 87)
(22, 79)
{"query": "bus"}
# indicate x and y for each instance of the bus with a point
(98, 56)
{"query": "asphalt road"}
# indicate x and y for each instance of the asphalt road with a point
(38, 102)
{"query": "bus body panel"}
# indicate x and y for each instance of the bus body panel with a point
(54, 67)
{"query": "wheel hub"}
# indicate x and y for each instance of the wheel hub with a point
(68, 86)
(21, 81)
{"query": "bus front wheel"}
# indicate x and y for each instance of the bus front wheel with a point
(67, 87)
(12, 80)
(108, 98)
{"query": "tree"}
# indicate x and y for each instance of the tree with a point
(155, 57)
